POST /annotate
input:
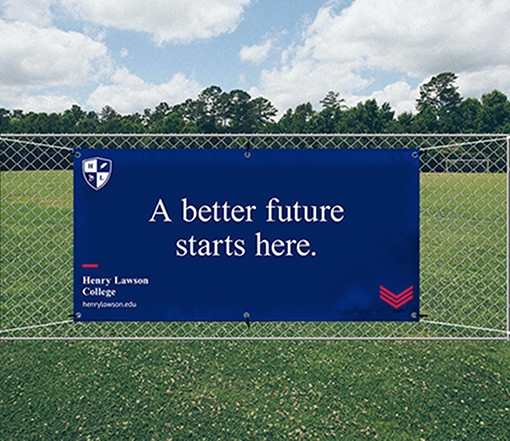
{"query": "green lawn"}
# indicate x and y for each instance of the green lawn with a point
(258, 389)
(255, 390)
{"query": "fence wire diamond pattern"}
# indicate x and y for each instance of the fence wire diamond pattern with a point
(463, 235)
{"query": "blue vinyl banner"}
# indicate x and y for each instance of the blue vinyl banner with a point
(282, 235)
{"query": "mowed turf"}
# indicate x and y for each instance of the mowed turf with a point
(254, 389)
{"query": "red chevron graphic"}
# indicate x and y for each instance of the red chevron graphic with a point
(396, 300)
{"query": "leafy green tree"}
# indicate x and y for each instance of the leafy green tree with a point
(262, 113)
(109, 120)
(108, 114)
(112, 122)
(448, 121)
(469, 116)
(151, 118)
(238, 112)
(284, 123)
(38, 123)
(495, 113)
(328, 118)
(173, 123)
(301, 120)
(16, 121)
(210, 110)
(22, 122)
(440, 109)
(366, 117)
(438, 105)
(190, 112)
(52, 123)
(425, 121)
(5, 118)
(72, 117)
(402, 124)
(88, 124)
(331, 101)
(439, 92)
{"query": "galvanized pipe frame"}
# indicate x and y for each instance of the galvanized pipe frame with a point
(68, 331)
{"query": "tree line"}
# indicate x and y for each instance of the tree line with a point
(439, 109)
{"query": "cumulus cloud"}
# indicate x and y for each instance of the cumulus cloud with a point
(414, 36)
(45, 102)
(256, 53)
(35, 57)
(128, 93)
(400, 94)
(36, 12)
(177, 21)
(304, 79)
(340, 50)
(475, 84)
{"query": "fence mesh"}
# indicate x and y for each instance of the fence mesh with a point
(463, 239)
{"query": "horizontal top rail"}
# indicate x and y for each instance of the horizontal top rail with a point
(11, 136)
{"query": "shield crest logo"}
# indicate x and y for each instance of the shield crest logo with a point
(96, 171)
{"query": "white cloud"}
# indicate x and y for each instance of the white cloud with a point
(129, 93)
(36, 12)
(414, 36)
(256, 53)
(400, 94)
(342, 50)
(48, 103)
(178, 21)
(304, 79)
(475, 84)
(34, 57)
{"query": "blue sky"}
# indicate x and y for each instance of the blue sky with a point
(132, 55)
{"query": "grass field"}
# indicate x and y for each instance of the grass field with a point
(255, 389)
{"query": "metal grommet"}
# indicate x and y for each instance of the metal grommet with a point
(77, 154)
(247, 154)
(247, 318)
(415, 154)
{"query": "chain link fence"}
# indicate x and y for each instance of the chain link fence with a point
(463, 239)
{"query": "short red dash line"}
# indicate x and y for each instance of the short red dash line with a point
(90, 265)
